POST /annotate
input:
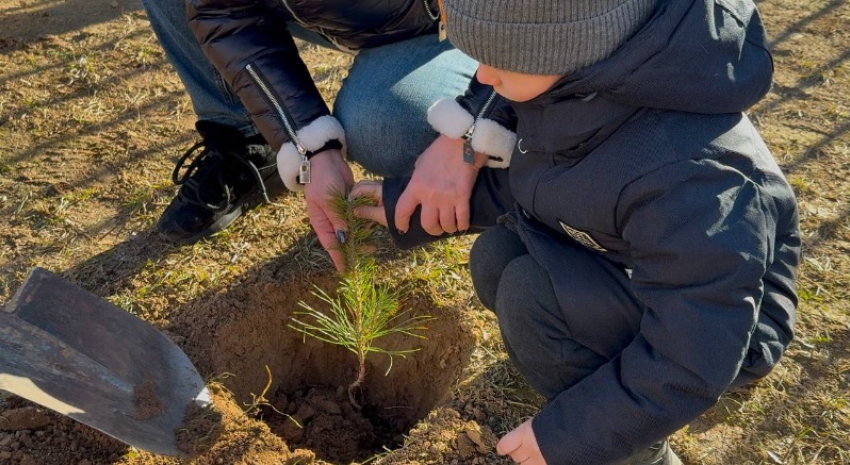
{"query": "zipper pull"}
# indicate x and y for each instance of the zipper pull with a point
(304, 171)
(468, 151)
(304, 176)
(442, 34)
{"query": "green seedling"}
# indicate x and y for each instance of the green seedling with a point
(363, 311)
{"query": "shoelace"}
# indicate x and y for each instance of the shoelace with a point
(194, 185)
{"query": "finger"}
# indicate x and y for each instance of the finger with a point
(347, 176)
(431, 220)
(509, 443)
(369, 189)
(448, 220)
(327, 236)
(326, 227)
(336, 256)
(376, 214)
(462, 211)
(340, 229)
(404, 209)
(539, 460)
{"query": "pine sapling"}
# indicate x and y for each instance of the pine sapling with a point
(363, 311)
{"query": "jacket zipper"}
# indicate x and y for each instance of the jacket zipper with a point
(431, 14)
(304, 168)
(486, 105)
(468, 151)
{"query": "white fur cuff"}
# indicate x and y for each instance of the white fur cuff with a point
(497, 142)
(312, 137)
(447, 117)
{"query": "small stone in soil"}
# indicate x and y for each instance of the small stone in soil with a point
(328, 406)
(292, 431)
(305, 412)
(465, 447)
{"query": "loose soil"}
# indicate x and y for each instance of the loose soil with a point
(23, 419)
(201, 429)
(322, 419)
(53, 439)
(147, 402)
(246, 330)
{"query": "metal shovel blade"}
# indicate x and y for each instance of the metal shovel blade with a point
(83, 357)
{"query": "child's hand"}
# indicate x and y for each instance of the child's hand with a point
(373, 190)
(442, 185)
(521, 445)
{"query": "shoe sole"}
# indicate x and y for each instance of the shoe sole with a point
(220, 225)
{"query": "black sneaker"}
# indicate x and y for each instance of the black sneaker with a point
(230, 175)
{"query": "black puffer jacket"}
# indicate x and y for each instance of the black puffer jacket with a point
(646, 159)
(248, 42)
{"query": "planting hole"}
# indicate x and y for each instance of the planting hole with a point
(242, 332)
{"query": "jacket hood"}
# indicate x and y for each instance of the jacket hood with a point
(698, 56)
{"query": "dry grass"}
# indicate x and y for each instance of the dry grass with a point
(92, 119)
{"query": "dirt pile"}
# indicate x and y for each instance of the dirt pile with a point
(222, 434)
(446, 438)
(202, 425)
(32, 436)
(23, 418)
(235, 438)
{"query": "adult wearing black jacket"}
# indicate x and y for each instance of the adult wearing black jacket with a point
(258, 108)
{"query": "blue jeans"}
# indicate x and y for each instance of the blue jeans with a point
(382, 103)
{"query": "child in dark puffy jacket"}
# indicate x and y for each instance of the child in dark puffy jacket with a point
(644, 257)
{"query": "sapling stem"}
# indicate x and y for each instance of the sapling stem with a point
(361, 376)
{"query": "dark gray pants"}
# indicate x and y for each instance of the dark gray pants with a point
(537, 337)
(536, 332)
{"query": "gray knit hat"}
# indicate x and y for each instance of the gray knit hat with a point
(543, 36)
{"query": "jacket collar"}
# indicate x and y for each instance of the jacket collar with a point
(569, 127)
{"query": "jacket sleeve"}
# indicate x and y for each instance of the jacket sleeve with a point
(482, 115)
(491, 198)
(701, 237)
(258, 58)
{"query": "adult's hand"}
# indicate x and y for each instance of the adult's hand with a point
(442, 184)
(373, 190)
(521, 445)
(330, 174)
